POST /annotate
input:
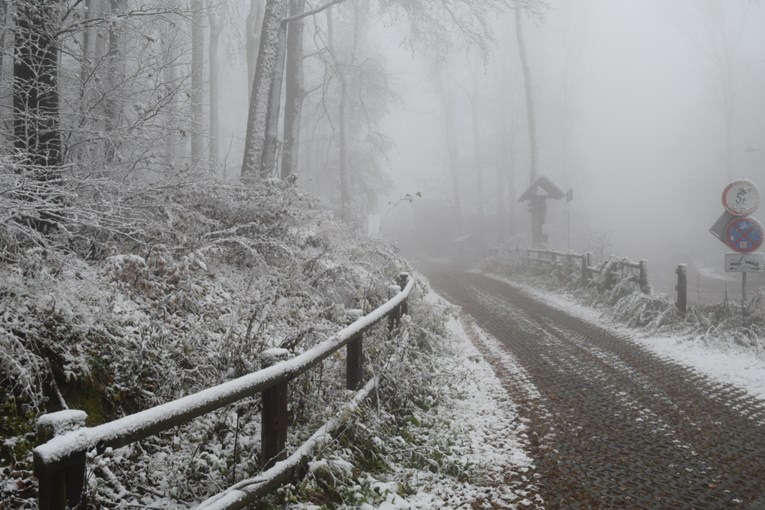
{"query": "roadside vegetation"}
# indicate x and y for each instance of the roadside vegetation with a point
(621, 299)
(142, 295)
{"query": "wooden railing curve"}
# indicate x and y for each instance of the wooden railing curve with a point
(59, 463)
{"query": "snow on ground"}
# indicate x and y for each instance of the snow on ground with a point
(488, 437)
(725, 363)
(487, 444)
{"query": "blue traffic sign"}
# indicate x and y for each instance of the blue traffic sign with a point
(744, 234)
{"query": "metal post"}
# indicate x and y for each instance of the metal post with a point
(743, 293)
(274, 418)
(643, 278)
(584, 268)
(682, 288)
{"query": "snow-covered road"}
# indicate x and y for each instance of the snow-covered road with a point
(611, 424)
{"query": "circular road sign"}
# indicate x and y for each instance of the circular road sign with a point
(741, 198)
(744, 235)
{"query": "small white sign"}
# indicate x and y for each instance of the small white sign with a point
(741, 198)
(744, 262)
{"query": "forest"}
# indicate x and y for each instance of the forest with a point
(186, 184)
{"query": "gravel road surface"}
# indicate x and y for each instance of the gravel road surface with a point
(613, 426)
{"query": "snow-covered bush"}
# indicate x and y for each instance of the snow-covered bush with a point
(137, 296)
(619, 295)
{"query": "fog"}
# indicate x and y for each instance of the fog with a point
(644, 109)
(630, 102)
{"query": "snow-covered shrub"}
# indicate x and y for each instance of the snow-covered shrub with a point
(404, 435)
(619, 295)
(141, 295)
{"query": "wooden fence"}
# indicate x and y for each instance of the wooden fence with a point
(613, 271)
(59, 462)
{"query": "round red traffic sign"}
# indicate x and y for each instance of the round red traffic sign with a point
(744, 235)
(741, 198)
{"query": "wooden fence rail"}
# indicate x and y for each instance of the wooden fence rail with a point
(59, 463)
(583, 260)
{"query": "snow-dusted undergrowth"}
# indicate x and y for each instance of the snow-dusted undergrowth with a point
(621, 300)
(457, 442)
(140, 296)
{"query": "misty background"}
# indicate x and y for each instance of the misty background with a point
(631, 100)
(415, 115)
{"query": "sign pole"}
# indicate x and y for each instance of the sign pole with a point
(743, 293)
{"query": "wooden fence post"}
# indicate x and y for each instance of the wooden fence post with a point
(354, 356)
(643, 278)
(403, 279)
(273, 432)
(585, 265)
(395, 315)
(60, 488)
(682, 288)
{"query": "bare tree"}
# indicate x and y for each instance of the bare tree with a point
(37, 136)
(197, 81)
(715, 29)
(529, 91)
(506, 171)
(268, 53)
(452, 148)
(295, 90)
(479, 161)
(271, 143)
(216, 27)
(115, 66)
(3, 14)
(253, 26)
(6, 61)
(342, 118)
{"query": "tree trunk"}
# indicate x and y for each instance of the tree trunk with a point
(261, 88)
(479, 161)
(530, 114)
(3, 13)
(102, 38)
(453, 151)
(506, 163)
(115, 76)
(253, 26)
(170, 62)
(216, 27)
(295, 93)
(197, 82)
(271, 144)
(4, 31)
(88, 44)
(37, 137)
(345, 196)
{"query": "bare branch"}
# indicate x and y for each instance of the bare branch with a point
(312, 12)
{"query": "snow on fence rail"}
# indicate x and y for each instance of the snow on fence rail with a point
(59, 463)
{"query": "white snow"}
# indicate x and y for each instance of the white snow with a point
(63, 421)
(485, 433)
(728, 364)
(162, 417)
